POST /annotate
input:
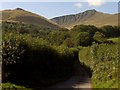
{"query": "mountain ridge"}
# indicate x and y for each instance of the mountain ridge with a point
(87, 17)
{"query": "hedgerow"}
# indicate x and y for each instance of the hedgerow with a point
(103, 60)
(30, 60)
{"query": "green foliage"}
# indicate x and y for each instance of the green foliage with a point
(12, 51)
(12, 86)
(69, 43)
(32, 61)
(110, 31)
(83, 39)
(115, 40)
(103, 60)
(36, 57)
(99, 37)
(57, 37)
(86, 28)
(64, 36)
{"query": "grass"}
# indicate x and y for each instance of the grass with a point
(12, 86)
(116, 40)
(28, 17)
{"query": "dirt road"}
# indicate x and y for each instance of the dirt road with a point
(78, 80)
(74, 82)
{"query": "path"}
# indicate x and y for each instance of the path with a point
(76, 81)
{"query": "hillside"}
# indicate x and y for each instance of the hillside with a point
(21, 15)
(92, 17)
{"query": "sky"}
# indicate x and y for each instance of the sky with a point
(55, 9)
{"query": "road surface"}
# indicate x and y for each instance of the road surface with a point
(77, 81)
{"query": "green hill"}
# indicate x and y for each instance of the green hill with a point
(21, 15)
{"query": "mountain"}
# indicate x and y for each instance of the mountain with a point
(21, 15)
(91, 17)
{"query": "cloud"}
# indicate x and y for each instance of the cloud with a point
(79, 5)
(95, 2)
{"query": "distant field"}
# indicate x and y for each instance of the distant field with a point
(114, 39)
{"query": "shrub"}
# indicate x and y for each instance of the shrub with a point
(103, 60)
(83, 39)
(31, 61)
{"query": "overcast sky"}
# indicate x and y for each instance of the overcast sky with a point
(54, 9)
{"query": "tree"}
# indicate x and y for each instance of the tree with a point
(108, 31)
(86, 28)
(57, 37)
(69, 42)
(83, 39)
(100, 37)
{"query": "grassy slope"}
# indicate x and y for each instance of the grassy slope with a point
(27, 17)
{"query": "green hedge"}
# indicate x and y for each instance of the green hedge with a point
(31, 61)
(103, 60)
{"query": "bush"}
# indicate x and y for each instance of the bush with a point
(83, 39)
(110, 31)
(99, 37)
(31, 61)
(86, 28)
(103, 60)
